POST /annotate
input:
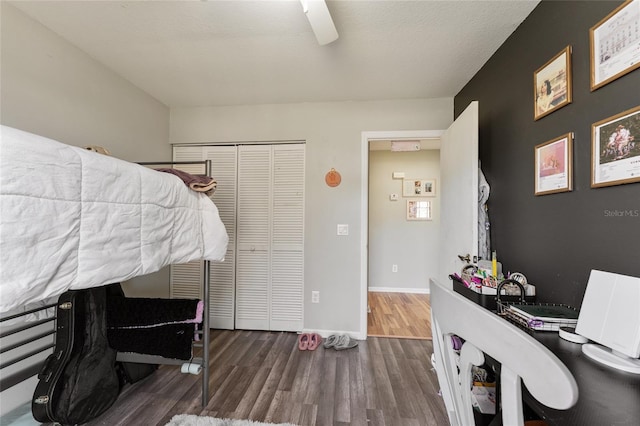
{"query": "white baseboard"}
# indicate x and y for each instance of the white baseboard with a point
(399, 290)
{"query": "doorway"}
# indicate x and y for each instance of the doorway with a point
(398, 252)
(399, 315)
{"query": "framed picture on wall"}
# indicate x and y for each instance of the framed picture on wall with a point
(418, 187)
(552, 84)
(615, 149)
(418, 210)
(553, 165)
(615, 44)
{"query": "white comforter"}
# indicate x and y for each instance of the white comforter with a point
(72, 219)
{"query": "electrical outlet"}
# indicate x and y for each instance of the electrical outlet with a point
(394, 268)
(315, 297)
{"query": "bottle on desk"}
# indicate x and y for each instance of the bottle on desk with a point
(494, 264)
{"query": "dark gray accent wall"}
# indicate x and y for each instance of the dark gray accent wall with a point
(555, 240)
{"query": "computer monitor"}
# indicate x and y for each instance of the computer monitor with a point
(610, 316)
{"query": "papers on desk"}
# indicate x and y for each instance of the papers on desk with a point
(483, 397)
(542, 317)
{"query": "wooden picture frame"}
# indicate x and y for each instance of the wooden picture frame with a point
(418, 187)
(615, 149)
(419, 210)
(554, 165)
(615, 44)
(552, 84)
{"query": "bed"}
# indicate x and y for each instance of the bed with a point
(71, 218)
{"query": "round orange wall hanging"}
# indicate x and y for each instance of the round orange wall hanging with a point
(333, 178)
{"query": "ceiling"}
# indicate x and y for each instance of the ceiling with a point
(210, 53)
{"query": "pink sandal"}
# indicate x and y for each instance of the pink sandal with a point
(303, 341)
(314, 341)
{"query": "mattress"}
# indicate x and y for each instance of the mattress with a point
(72, 219)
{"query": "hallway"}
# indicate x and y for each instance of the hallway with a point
(399, 315)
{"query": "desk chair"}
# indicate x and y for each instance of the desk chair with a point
(522, 358)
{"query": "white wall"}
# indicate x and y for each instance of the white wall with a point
(51, 88)
(412, 245)
(333, 134)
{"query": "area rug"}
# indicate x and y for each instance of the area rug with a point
(192, 420)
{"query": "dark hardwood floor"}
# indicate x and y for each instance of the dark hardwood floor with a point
(262, 376)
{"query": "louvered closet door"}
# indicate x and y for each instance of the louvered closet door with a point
(260, 198)
(287, 246)
(269, 268)
(222, 300)
(253, 237)
(186, 278)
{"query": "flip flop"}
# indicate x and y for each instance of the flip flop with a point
(314, 341)
(303, 341)
(330, 341)
(345, 342)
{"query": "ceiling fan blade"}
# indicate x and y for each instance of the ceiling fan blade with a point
(320, 20)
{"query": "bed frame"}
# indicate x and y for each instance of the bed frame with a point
(34, 368)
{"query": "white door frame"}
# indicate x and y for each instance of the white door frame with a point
(364, 207)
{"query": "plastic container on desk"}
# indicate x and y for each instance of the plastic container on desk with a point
(487, 301)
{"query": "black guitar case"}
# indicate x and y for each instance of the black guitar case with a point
(78, 382)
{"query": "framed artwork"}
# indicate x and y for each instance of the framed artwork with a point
(418, 187)
(615, 149)
(553, 165)
(418, 210)
(615, 44)
(552, 84)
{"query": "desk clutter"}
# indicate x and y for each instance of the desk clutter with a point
(539, 316)
(608, 318)
(483, 385)
(480, 284)
(483, 397)
(511, 297)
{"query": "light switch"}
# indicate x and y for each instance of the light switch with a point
(343, 229)
(393, 197)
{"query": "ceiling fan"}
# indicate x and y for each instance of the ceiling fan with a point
(320, 20)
